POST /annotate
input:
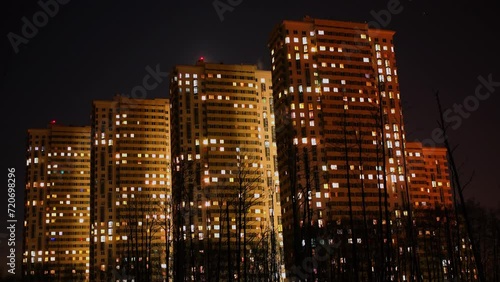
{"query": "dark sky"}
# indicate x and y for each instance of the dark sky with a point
(93, 49)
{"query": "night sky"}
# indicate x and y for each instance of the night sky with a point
(93, 49)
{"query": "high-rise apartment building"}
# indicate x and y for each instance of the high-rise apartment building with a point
(340, 136)
(429, 176)
(57, 197)
(442, 245)
(226, 188)
(130, 189)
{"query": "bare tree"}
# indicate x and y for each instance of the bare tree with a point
(459, 190)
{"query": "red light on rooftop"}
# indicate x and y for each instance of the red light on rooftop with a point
(202, 58)
(53, 121)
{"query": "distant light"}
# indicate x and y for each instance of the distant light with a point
(202, 58)
(53, 121)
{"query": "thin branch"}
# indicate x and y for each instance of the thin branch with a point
(469, 181)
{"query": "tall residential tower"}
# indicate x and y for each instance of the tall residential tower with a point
(57, 198)
(130, 189)
(340, 137)
(226, 188)
(429, 176)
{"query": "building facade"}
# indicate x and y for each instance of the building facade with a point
(57, 204)
(130, 199)
(444, 251)
(226, 187)
(429, 176)
(340, 137)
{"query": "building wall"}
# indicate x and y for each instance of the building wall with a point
(225, 156)
(429, 176)
(57, 212)
(131, 188)
(339, 131)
